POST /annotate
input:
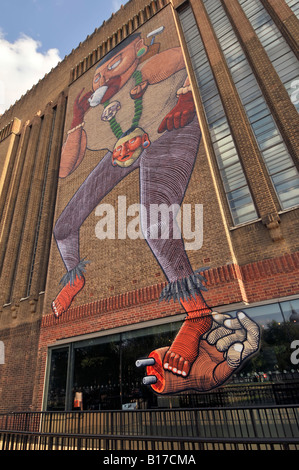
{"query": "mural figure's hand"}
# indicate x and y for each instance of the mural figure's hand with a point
(222, 351)
(237, 338)
(181, 115)
(81, 105)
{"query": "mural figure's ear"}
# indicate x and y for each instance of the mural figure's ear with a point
(140, 48)
(145, 141)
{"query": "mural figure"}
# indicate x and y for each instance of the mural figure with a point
(220, 353)
(141, 110)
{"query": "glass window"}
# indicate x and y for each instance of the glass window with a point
(294, 5)
(264, 127)
(37, 228)
(97, 373)
(279, 323)
(264, 315)
(102, 372)
(219, 129)
(226, 153)
(56, 399)
(290, 310)
(139, 344)
(279, 52)
(233, 177)
(288, 184)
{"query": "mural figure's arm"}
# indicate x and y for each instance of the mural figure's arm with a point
(158, 68)
(222, 351)
(182, 113)
(163, 65)
(74, 147)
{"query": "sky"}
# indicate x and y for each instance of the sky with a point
(36, 34)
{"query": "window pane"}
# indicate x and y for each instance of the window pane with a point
(244, 214)
(263, 124)
(219, 129)
(277, 160)
(290, 310)
(233, 177)
(97, 373)
(287, 183)
(294, 5)
(136, 345)
(279, 327)
(57, 380)
(264, 315)
(279, 52)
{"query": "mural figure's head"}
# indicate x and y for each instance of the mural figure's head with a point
(115, 69)
(129, 147)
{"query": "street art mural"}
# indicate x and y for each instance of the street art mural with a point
(140, 109)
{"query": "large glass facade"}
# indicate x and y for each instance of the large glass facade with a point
(97, 371)
(234, 181)
(279, 324)
(103, 368)
(279, 52)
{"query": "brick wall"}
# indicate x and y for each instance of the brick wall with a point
(17, 374)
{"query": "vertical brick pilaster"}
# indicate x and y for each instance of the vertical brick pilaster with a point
(286, 21)
(45, 231)
(9, 163)
(33, 208)
(12, 248)
(8, 210)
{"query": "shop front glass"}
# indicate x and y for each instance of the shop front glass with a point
(279, 323)
(101, 374)
(57, 379)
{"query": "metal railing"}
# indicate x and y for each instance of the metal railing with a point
(269, 393)
(237, 394)
(37, 441)
(165, 429)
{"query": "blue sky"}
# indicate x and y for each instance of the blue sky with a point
(36, 34)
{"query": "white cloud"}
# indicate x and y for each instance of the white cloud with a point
(22, 65)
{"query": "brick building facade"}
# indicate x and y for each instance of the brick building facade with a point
(240, 59)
